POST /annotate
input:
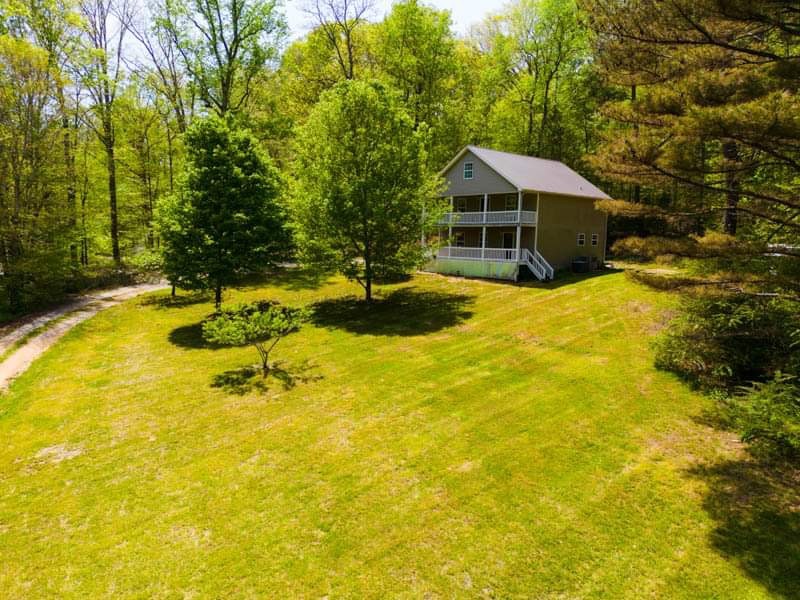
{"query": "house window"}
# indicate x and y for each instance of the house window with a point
(511, 202)
(508, 240)
(595, 239)
(581, 239)
(460, 241)
(461, 205)
(468, 170)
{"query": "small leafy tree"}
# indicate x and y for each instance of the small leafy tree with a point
(225, 219)
(365, 195)
(262, 324)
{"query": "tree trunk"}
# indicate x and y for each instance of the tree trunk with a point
(368, 272)
(69, 165)
(218, 296)
(170, 160)
(731, 220)
(637, 189)
(112, 200)
(545, 114)
(264, 354)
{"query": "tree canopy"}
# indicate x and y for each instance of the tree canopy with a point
(225, 219)
(364, 196)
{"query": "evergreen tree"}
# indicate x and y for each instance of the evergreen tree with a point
(225, 219)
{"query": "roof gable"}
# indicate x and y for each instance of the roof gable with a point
(530, 174)
(485, 180)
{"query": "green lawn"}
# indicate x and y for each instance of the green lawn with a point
(459, 439)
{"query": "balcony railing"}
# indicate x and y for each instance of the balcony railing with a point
(493, 254)
(497, 217)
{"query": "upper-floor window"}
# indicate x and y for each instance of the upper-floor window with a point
(581, 239)
(511, 202)
(460, 239)
(469, 170)
(461, 205)
(595, 239)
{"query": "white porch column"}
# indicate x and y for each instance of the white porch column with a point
(450, 223)
(536, 231)
(519, 224)
(483, 231)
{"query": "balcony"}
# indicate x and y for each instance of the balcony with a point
(480, 219)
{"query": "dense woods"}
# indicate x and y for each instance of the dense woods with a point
(685, 111)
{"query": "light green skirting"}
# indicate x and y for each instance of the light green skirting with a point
(473, 268)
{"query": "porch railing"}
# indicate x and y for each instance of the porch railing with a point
(493, 254)
(497, 217)
(537, 264)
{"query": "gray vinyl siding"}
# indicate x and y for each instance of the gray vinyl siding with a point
(561, 219)
(484, 180)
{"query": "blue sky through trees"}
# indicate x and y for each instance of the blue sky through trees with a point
(465, 13)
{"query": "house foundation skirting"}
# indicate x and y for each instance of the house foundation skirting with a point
(485, 269)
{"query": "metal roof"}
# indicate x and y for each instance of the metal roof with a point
(531, 174)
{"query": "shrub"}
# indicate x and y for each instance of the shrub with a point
(748, 349)
(262, 325)
(768, 415)
(728, 341)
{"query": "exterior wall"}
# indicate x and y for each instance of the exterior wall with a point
(497, 202)
(484, 180)
(474, 268)
(561, 219)
(529, 202)
(494, 236)
(528, 237)
(472, 236)
(473, 203)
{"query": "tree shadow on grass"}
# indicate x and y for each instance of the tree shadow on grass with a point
(564, 278)
(247, 380)
(191, 337)
(404, 312)
(756, 509)
(179, 301)
(296, 279)
(290, 278)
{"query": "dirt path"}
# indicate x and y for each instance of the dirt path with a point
(68, 316)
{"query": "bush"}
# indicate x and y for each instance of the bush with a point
(768, 415)
(149, 261)
(262, 325)
(747, 348)
(732, 340)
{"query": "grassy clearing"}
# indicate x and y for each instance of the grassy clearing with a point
(461, 438)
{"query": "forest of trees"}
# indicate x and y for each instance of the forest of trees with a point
(685, 111)
(98, 94)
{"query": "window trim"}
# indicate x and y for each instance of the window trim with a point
(595, 240)
(581, 240)
(471, 171)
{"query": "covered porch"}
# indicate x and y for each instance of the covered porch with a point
(490, 236)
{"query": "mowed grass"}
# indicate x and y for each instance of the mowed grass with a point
(458, 439)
